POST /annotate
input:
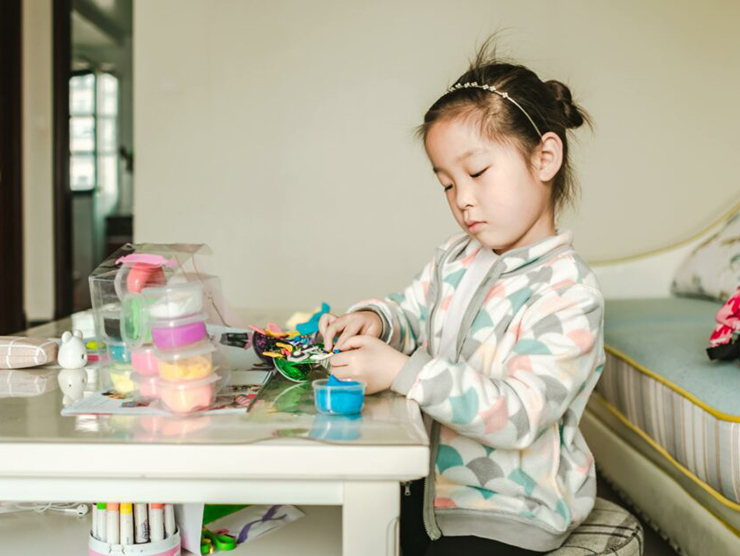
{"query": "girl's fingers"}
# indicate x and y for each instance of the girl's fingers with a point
(354, 342)
(342, 373)
(352, 329)
(334, 328)
(324, 321)
(372, 325)
(339, 360)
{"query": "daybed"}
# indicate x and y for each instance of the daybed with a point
(664, 421)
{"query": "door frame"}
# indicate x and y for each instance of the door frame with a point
(62, 71)
(12, 314)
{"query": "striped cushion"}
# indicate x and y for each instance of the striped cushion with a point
(18, 353)
(608, 529)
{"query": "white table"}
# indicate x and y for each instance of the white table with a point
(268, 456)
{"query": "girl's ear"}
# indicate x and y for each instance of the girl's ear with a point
(548, 157)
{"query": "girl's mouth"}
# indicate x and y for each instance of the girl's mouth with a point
(474, 226)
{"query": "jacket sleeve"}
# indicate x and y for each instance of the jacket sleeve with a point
(404, 314)
(557, 353)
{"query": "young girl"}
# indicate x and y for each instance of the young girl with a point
(500, 338)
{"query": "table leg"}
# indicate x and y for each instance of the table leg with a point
(370, 517)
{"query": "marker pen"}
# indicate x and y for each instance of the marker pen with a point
(156, 522)
(94, 530)
(102, 520)
(141, 524)
(127, 524)
(113, 527)
(169, 520)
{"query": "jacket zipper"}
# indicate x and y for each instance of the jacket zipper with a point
(427, 512)
(428, 517)
(406, 488)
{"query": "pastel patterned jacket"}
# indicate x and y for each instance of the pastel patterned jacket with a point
(508, 461)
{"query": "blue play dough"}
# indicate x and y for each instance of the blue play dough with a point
(343, 401)
(312, 325)
(120, 353)
(334, 381)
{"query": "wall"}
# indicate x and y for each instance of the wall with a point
(37, 161)
(280, 133)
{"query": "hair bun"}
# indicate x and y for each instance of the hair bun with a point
(563, 97)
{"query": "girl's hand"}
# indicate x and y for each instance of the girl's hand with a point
(369, 360)
(350, 324)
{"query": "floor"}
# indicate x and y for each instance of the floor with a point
(654, 544)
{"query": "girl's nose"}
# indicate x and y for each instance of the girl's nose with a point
(464, 197)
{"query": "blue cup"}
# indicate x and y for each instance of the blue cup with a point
(338, 397)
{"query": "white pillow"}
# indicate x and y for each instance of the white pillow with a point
(712, 270)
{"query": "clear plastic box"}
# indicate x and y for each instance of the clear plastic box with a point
(188, 396)
(174, 301)
(192, 363)
(179, 333)
(173, 271)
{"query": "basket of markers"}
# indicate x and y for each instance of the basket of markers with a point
(134, 529)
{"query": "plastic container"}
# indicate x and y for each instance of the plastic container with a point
(136, 267)
(112, 327)
(121, 378)
(188, 396)
(194, 362)
(171, 546)
(119, 353)
(139, 270)
(148, 386)
(144, 360)
(135, 321)
(174, 301)
(335, 397)
(177, 333)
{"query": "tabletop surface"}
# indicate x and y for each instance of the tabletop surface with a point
(284, 413)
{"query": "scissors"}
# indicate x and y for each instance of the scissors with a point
(211, 542)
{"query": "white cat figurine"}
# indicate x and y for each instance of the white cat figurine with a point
(72, 383)
(72, 352)
(72, 358)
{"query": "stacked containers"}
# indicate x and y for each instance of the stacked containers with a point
(186, 359)
(120, 326)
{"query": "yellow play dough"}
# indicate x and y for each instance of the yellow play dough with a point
(192, 368)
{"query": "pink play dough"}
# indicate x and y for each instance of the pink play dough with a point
(144, 361)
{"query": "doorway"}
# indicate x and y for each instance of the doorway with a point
(94, 170)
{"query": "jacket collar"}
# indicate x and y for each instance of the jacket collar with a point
(528, 254)
(521, 256)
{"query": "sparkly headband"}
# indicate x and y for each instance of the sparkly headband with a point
(491, 88)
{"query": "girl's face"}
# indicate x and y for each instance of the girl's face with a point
(493, 194)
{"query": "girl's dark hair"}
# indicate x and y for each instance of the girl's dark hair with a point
(549, 104)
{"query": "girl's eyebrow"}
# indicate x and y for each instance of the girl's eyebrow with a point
(460, 158)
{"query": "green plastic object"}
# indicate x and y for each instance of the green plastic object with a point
(213, 512)
(210, 541)
(297, 372)
(135, 327)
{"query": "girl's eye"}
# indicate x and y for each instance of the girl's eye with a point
(478, 174)
(448, 187)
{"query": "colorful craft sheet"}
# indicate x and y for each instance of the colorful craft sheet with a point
(254, 521)
(244, 386)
